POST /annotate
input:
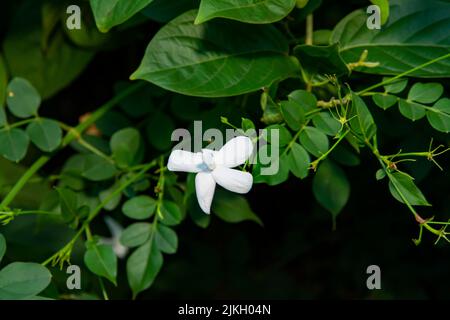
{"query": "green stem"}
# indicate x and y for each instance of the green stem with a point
(70, 136)
(316, 162)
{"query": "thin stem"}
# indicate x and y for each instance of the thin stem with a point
(316, 162)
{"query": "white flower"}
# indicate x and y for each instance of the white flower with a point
(116, 231)
(215, 167)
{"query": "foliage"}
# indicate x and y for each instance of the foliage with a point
(239, 64)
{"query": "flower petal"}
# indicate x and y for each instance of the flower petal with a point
(233, 180)
(235, 152)
(185, 161)
(205, 187)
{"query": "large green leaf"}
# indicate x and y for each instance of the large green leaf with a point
(50, 66)
(21, 280)
(110, 13)
(402, 188)
(417, 32)
(249, 11)
(217, 58)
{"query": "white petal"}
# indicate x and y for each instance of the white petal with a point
(233, 180)
(186, 161)
(235, 152)
(204, 187)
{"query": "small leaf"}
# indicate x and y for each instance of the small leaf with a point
(326, 123)
(380, 174)
(96, 168)
(13, 144)
(331, 187)
(276, 130)
(20, 280)
(314, 140)
(136, 234)
(22, 98)
(114, 201)
(402, 186)
(411, 110)
(46, 134)
(293, 114)
(384, 101)
(299, 161)
(140, 207)
(247, 124)
(425, 92)
(233, 208)
(2, 246)
(395, 86)
(274, 170)
(166, 239)
(439, 115)
(125, 145)
(171, 213)
(306, 100)
(68, 201)
(102, 261)
(362, 121)
(143, 266)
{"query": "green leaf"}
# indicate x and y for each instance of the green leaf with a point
(3, 84)
(159, 131)
(166, 239)
(293, 114)
(411, 110)
(110, 13)
(96, 168)
(380, 174)
(402, 186)
(114, 201)
(276, 161)
(362, 121)
(325, 122)
(2, 246)
(439, 115)
(49, 65)
(395, 86)
(314, 140)
(171, 213)
(22, 98)
(384, 101)
(284, 136)
(249, 11)
(304, 99)
(233, 208)
(143, 266)
(68, 201)
(136, 234)
(140, 207)
(271, 109)
(321, 60)
(215, 59)
(331, 187)
(415, 34)
(384, 8)
(125, 145)
(20, 280)
(102, 261)
(425, 92)
(299, 161)
(247, 124)
(13, 144)
(166, 10)
(46, 134)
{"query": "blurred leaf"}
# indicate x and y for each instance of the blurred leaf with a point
(13, 144)
(304, 99)
(166, 10)
(20, 280)
(396, 86)
(384, 9)
(278, 162)
(362, 122)
(249, 11)
(166, 239)
(136, 234)
(325, 122)
(45, 134)
(159, 131)
(140, 207)
(293, 114)
(23, 99)
(194, 54)
(3, 84)
(283, 134)
(125, 145)
(2, 246)
(439, 115)
(96, 168)
(299, 161)
(171, 213)
(233, 208)
(102, 261)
